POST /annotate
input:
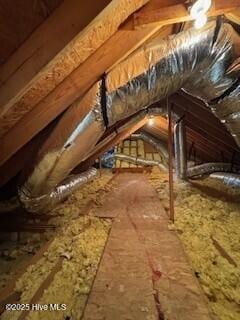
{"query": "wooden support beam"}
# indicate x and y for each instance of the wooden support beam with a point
(204, 119)
(159, 128)
(170, 164)
(209, 136)
(54, 50)
(179, 12)
(211, 153)
(77, 83)
(220, 139)
(234, 16)
(207, 146)
(132, 170)
(197, 107)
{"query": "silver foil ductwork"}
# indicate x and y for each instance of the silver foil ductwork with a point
(204, 62)
(60, 193)
(229, 179)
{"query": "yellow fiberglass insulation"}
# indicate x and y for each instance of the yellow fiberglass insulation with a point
(79, 240)
(206, 211)
(77, 274)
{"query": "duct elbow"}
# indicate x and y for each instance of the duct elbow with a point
(46, 202)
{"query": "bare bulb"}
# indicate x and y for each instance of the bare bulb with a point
(151, 121)
(199, 8)
(200, 21)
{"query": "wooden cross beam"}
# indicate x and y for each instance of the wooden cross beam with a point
(234, 16)
(179, 12)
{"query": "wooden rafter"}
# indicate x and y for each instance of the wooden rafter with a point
(103, 57)
(234, 16)
(77, 83)
(57, 48)
(179, 12)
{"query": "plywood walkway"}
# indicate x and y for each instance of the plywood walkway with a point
(143, 274)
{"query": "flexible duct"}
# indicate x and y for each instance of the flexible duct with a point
(61, 192)
(196, 60)
(136, 160)
(208, 168)
(72, 139)
(157, 144)
(229, 179)
(192, 59)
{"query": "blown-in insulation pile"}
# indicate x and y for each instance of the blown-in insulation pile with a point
(208, 212)
(79, 240)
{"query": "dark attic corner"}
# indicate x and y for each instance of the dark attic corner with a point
(120, 160)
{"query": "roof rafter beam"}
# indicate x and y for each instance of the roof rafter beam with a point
(123, 42)
(179, 12)
(234, 16)
(62, 43)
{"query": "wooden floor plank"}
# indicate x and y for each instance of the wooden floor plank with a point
(144, 273)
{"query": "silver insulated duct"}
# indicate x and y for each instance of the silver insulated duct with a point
(208, 168)
(158, 145)
(200, 61)
(229, 179)
(60, 193)
(136, 160)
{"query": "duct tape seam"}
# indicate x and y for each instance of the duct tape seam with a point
(103, 95)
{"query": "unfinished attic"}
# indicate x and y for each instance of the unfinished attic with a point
(120, 160)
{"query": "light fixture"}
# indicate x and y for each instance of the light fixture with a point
(198, 12)
(151, 121)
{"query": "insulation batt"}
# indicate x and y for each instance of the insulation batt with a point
(196, 60)
(199, 216)
(159, 145)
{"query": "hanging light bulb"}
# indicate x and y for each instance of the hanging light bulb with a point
(151, 121)
(200, 21)
(199, 8)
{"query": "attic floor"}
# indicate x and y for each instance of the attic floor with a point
(144, 273)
